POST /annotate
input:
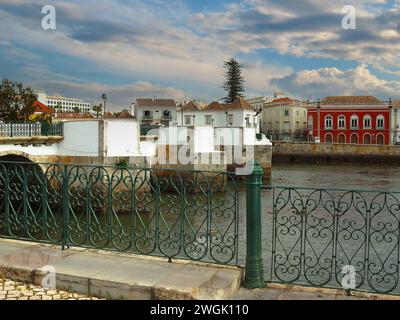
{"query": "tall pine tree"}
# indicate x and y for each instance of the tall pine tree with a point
(234, 80)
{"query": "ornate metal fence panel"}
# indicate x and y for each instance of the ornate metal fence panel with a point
(336, 238)
(174, 214)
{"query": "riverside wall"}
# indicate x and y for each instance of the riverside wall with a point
(304, 152)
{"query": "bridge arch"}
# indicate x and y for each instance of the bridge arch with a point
(17, 156)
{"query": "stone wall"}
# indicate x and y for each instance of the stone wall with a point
(304, 152)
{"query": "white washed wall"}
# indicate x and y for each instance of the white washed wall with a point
(122, 137)
(80, 139)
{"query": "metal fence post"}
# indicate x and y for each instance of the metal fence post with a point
(254, 271)
(65, 208)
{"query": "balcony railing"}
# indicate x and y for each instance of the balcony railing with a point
(31, 129)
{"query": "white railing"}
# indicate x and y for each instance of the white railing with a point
(30, 129)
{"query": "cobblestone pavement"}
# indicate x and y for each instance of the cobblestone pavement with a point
(13, 290)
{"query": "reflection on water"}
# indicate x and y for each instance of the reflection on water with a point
(362, 176)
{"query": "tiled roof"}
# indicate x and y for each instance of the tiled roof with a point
(214, 106)
(73, 115)
(125, 114)
(155, 103)
(192, 106)
(40, 107)
(283, 100)
(239, 103)
(356, 100)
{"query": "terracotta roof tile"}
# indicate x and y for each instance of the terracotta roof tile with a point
(342, 100)
(73, 115)
(239, 103)
(155, 103)
(40, 107)
(214, 106)
(192, 106)
(283, 100)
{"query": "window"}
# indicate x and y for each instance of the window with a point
(354, 122)
(367, 122)
(207, 120)
(380, 122)
(286, 113)
(342, 122)
(166, 114)
(298, 113)
(188, 120)
(286, 126)
(230, 119)
(310, 123)
(328, 122)
(146, 114)
(247, 121)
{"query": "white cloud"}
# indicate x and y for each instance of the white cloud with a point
(332, 81)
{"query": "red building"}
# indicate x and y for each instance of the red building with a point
(350, 119)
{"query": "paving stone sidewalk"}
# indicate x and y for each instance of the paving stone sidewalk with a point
(13, 290)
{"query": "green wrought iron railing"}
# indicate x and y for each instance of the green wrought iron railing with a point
(169, 213)
(329, 237)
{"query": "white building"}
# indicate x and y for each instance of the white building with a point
(257, 103)
(235, 115)
(63, 104)
(155, 112)
(285, 119)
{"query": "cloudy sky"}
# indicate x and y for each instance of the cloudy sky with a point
(176, 48)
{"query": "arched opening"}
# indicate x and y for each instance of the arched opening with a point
(14, 158)
(21, 184)
(354, 138)
(341, 138)
(367, 138)
(380, 139)
(328, 138)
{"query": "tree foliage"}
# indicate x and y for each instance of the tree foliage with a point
(16, 101)
(97, 109)
(234, 83)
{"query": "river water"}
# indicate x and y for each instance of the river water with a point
(350, 176)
